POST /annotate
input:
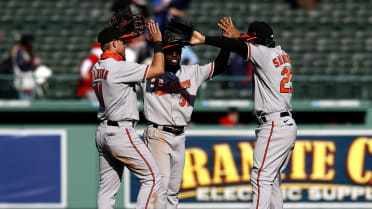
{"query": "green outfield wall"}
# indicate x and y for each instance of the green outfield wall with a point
(81, 183)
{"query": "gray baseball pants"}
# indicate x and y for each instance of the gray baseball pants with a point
(169, 153)
(275, 142)
(118, 146)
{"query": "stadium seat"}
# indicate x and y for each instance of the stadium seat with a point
(333, 39)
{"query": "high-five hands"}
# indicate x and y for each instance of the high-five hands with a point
(154, 31)
(197, 38)
(228, 28)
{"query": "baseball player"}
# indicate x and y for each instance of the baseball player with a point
(117, 142)
(168, 105)
(272, 90)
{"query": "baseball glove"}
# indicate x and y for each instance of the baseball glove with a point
(130, 25)
(177, 33)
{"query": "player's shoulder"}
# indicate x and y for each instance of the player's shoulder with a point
(98, 64)
(279, 51)
(188, 70)
(258, 49)
(187, 67)
(122, 64)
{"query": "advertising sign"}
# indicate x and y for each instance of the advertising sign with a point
(33, 168)
(328, 169)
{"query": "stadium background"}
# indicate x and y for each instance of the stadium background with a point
(330, 49)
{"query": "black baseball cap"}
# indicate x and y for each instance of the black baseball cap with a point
(171, 39)
(261, 30)
(108, 34)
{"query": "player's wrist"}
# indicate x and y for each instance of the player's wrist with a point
(158, 47)
(202, 39)
(156, 39)
(236, 35)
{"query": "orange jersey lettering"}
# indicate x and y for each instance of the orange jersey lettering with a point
(100, 74)
(281, 59)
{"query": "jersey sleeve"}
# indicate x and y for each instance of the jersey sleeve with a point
(143, 84)
(253, 52)
(203, 72)
(131, 72)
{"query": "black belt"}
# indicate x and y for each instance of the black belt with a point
(115, 123)
(282, 114)
(176, 130)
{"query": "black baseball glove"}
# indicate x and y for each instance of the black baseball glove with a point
(177, 33)
(130, 25)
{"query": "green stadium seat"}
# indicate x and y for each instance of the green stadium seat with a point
(333, 39)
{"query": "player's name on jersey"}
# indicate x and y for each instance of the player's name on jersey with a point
(281, 59)
(100, 74)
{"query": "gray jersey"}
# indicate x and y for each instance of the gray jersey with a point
(114, 84)
(272, 79)
(169, 99)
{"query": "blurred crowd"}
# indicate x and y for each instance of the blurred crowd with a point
(24, 74)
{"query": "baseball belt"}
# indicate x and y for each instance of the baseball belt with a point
(131, 123)
(176, 130)
(264, 118)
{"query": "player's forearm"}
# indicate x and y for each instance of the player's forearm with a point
(157, 66)
(221, 62)
(229, 44)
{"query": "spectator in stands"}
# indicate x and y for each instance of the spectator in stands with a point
(178, 8)
(160, 9)
(24, 64)
(142, 7)
(84, 88)
(231, 119)
(238, 67)
(304, 4)
(7, 89)
(165, 10)
(136, 6)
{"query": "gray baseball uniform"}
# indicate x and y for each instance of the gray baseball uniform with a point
(117, 142)
(168, 105)
(277, 131)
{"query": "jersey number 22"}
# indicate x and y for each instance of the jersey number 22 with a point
(287, 78)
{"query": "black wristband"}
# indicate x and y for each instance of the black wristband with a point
(158, 47)
(206, 40)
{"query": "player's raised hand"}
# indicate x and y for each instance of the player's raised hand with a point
(154, 31)
(228, 28)
(197, 38)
